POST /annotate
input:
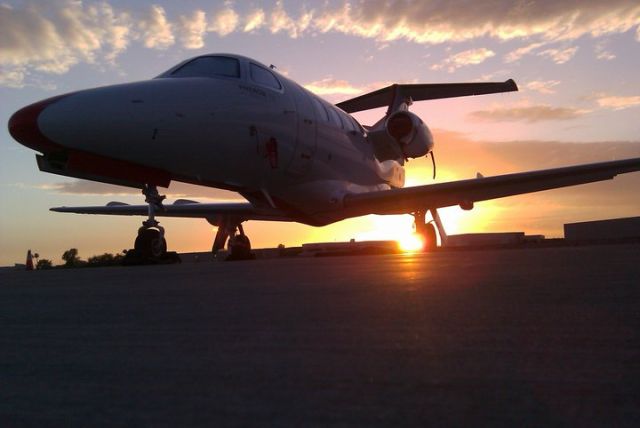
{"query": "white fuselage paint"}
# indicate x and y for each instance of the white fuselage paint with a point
(215, 131)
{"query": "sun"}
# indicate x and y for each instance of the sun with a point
(411, 243)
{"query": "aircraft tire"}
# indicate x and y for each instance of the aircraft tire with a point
(240, 248)
(429, 235)
(149, 244)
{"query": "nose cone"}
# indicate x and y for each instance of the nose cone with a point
(23, 126)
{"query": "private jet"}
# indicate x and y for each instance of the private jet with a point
(229, 122)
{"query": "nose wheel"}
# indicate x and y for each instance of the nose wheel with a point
(150, 243)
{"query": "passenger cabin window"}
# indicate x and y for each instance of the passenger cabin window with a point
(209, 66)
(264, 77)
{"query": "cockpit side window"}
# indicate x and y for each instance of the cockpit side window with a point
(264, 77)
(209, 66)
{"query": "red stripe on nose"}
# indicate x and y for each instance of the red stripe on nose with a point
(23, 126)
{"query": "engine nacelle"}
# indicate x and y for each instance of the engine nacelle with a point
(411, 133)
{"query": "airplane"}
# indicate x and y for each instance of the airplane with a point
(230, 122)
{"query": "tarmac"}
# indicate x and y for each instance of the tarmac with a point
(528, 337)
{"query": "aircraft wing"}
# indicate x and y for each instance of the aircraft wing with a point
(426, 91)
(185, 208)
(465, 192)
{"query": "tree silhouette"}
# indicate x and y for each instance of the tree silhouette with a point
(44, 264)
(105, 259)
(70, 257)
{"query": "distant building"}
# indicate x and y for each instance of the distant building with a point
(485, 239)
(602, 230)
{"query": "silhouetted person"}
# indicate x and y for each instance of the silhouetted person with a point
(29, 260)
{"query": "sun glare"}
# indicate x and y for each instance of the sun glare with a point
(411, 243)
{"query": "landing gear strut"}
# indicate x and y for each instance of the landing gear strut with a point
(427, 230)
(238, 243)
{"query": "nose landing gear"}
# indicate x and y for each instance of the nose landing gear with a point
(150, 241)
(150, 245)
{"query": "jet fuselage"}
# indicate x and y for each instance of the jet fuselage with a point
(247, 129)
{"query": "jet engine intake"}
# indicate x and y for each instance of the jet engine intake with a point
(411, 133)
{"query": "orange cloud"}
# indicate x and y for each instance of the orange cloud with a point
(541, 212)
(530, 114)
(176, 190)
(618, 103)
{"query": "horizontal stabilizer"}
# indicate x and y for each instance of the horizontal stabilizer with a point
(426, 91)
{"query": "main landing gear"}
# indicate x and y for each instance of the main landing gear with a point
(427, 231)
(150, 245)
(238, 243)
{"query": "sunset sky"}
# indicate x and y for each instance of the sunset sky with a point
(576, 63)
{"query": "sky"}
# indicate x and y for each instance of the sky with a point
(576, 63)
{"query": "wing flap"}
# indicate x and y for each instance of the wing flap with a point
(425, 91)
(463, 192)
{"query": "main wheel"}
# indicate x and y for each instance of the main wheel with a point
(428, 233)
(150, 244)
(239, 248)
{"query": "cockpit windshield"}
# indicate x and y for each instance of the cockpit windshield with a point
(209, 66)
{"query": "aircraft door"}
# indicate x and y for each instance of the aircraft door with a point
(306, 136)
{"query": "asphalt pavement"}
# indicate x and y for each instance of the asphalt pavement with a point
(530, 337)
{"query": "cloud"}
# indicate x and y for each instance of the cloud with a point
(605, 55)
(541, 212)
(333, 86)
(176, 190)
(193, 29)
(225, 21)
(529, 114)
(455, 20)
(602, 53)
(254, 20)
(54, 37)
(281, 21)
(559, 56)
(336, 89)
(12, 77)
(87, 188)
(618, 103)
(513, 156)
(544, 87)
(515, 55)
(157, 31)
(461, 59)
